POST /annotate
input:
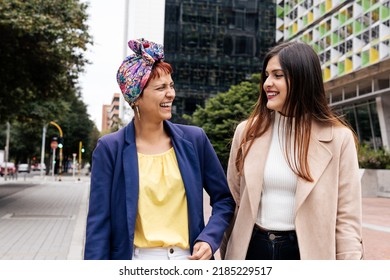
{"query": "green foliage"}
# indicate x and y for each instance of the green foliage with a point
(41, 52)
(76, 127)
(224, 112)
(373, 159)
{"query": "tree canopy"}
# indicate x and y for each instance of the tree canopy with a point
(42, 55)
(224, 112)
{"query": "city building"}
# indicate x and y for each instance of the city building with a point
(214, 44)
(110, 113)
(352, 39)
(105, 110)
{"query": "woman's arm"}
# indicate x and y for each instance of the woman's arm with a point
(221, 201)
(349, 211)
(97, 245)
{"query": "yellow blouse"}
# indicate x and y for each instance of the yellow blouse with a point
(162, 218)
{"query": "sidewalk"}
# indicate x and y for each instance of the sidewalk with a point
(45, 221)
(376, 227)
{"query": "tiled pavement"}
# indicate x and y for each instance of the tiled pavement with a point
(47, 220)
(43, 221)
(376, 227)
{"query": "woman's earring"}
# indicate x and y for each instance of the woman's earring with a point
(138, 115)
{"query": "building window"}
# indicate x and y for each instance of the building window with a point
(364, 120)
(341, 48)
(349, 44)
(375, 32)
(366, 36)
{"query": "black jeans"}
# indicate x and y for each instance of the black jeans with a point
(273, 245)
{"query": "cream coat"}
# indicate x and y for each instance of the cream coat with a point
(327, 211)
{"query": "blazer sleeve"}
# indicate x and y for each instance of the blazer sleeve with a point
(349, 211)
(97, 245)
(221, 201)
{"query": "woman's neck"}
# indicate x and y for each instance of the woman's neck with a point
(151, 138)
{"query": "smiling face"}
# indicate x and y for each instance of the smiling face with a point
(275, 85)
(155, 103)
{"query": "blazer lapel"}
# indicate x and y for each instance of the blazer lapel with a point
(319, 157)
(254, 169)
(131, 176)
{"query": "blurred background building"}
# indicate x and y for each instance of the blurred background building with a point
(352, 40)
(214, 45)
(110, 116)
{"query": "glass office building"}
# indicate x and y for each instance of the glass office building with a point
(352, 39)
(215, 44)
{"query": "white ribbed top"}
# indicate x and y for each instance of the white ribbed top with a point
(276, 211)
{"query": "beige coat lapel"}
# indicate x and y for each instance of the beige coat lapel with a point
(254, 170)
(319, 157)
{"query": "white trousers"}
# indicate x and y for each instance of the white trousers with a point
(160, 253)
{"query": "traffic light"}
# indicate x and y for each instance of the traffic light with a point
(60, 142)
(82, 150)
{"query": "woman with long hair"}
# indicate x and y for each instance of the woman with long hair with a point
(293, 169)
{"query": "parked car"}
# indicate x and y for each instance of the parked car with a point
(38, 167)
(11, 169)
(23, 167)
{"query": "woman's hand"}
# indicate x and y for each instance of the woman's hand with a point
(202, 251)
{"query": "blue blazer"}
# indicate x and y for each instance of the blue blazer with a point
(113, 201)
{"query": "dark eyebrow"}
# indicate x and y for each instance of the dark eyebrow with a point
(273, 71)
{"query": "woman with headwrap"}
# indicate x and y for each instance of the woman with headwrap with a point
(147, 180)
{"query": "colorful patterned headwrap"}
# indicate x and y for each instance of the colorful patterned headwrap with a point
(135, 70)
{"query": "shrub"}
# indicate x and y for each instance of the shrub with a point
(373, 159)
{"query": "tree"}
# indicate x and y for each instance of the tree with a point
(76, 126)
(41, 54)
(224, 112)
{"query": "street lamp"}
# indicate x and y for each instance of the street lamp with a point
(81, 150)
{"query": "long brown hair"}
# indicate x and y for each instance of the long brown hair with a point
(305, 101)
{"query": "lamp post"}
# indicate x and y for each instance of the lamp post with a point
(60, 147)
(6, 152)
(80, 152)
(74, 164)
(43, 149)
(53, 162)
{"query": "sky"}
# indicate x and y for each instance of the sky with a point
(106, 26)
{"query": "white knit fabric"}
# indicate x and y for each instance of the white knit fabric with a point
(276, 211)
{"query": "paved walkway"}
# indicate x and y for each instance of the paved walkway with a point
(45, 220)
(376, 227)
